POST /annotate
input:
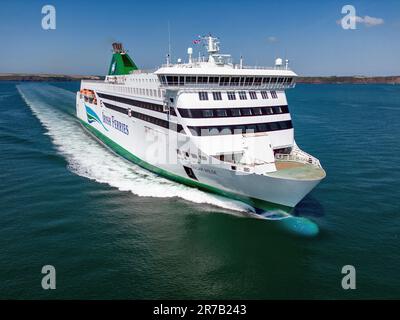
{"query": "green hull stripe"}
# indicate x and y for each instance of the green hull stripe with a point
(257, 203)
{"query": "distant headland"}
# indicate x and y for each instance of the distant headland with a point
(310, 80)
(350, 79)
(44, 77)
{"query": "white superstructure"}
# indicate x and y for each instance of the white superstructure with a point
(207, 123)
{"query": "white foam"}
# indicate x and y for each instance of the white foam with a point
(89, 159)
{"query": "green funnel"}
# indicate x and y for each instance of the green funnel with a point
(121, 62)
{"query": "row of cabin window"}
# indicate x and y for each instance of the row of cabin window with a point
(225, 81)
(233, 112)
(157, 121)
(132, 102)
(203, 95)
(139, 91)
(241, 129)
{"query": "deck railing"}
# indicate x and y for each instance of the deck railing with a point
(298, 155)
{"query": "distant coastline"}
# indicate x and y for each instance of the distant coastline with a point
(309, 80)
(350, 79)
(44, 77)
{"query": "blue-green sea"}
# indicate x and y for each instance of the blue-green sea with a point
(115, 231)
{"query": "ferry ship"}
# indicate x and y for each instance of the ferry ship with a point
(208, 123)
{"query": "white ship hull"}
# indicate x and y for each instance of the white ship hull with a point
(261, 191)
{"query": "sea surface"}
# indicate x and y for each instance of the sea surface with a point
(113, 230)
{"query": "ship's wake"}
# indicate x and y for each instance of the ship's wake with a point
(55, 109)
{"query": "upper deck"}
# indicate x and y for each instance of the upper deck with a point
(217, 70)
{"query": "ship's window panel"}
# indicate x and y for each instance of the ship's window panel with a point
(246, 111)
(203, 95)
(289, 80)
(224, 81)
(251, 128)
(280, 80)
(264, 94)
(273, 126)
(225, 130)
(207, 113)
(242, 95)
(202, 79)
(253, 95)
(249, 81)
(235, 81)
(273, 80)
(221, 113)
(262, 127)
(213, 79)
(231, 95)
(242, 79)
(232, 112)
(191, 80)
(181, 81)
(257, 111)
(257, 81)
(283, 125)
(217, 96)
(277, 109)
(274, 95)
(241, 129)
(235, 112)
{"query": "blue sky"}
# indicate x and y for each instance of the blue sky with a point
(306, 32)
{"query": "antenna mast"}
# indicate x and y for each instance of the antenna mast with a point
(169, 41)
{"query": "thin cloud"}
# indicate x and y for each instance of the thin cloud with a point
(371, 21)
(367, 21)
(272, 39)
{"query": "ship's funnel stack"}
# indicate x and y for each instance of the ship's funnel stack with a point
(121, 63)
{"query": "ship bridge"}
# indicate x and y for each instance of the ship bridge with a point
(217, 70)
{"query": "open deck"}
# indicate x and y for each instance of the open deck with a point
(297, 170)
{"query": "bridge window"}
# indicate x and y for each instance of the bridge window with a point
(257, 81)
(246, 111)
(253, 95)
(266, 80)
(274, 95)
(191, 80)
(231, 95)
(213, 80)
(224, 81)
(235, 81)
(203, 95)
(242, 95)
(249, 81)
(217, 95)
(202, 79)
